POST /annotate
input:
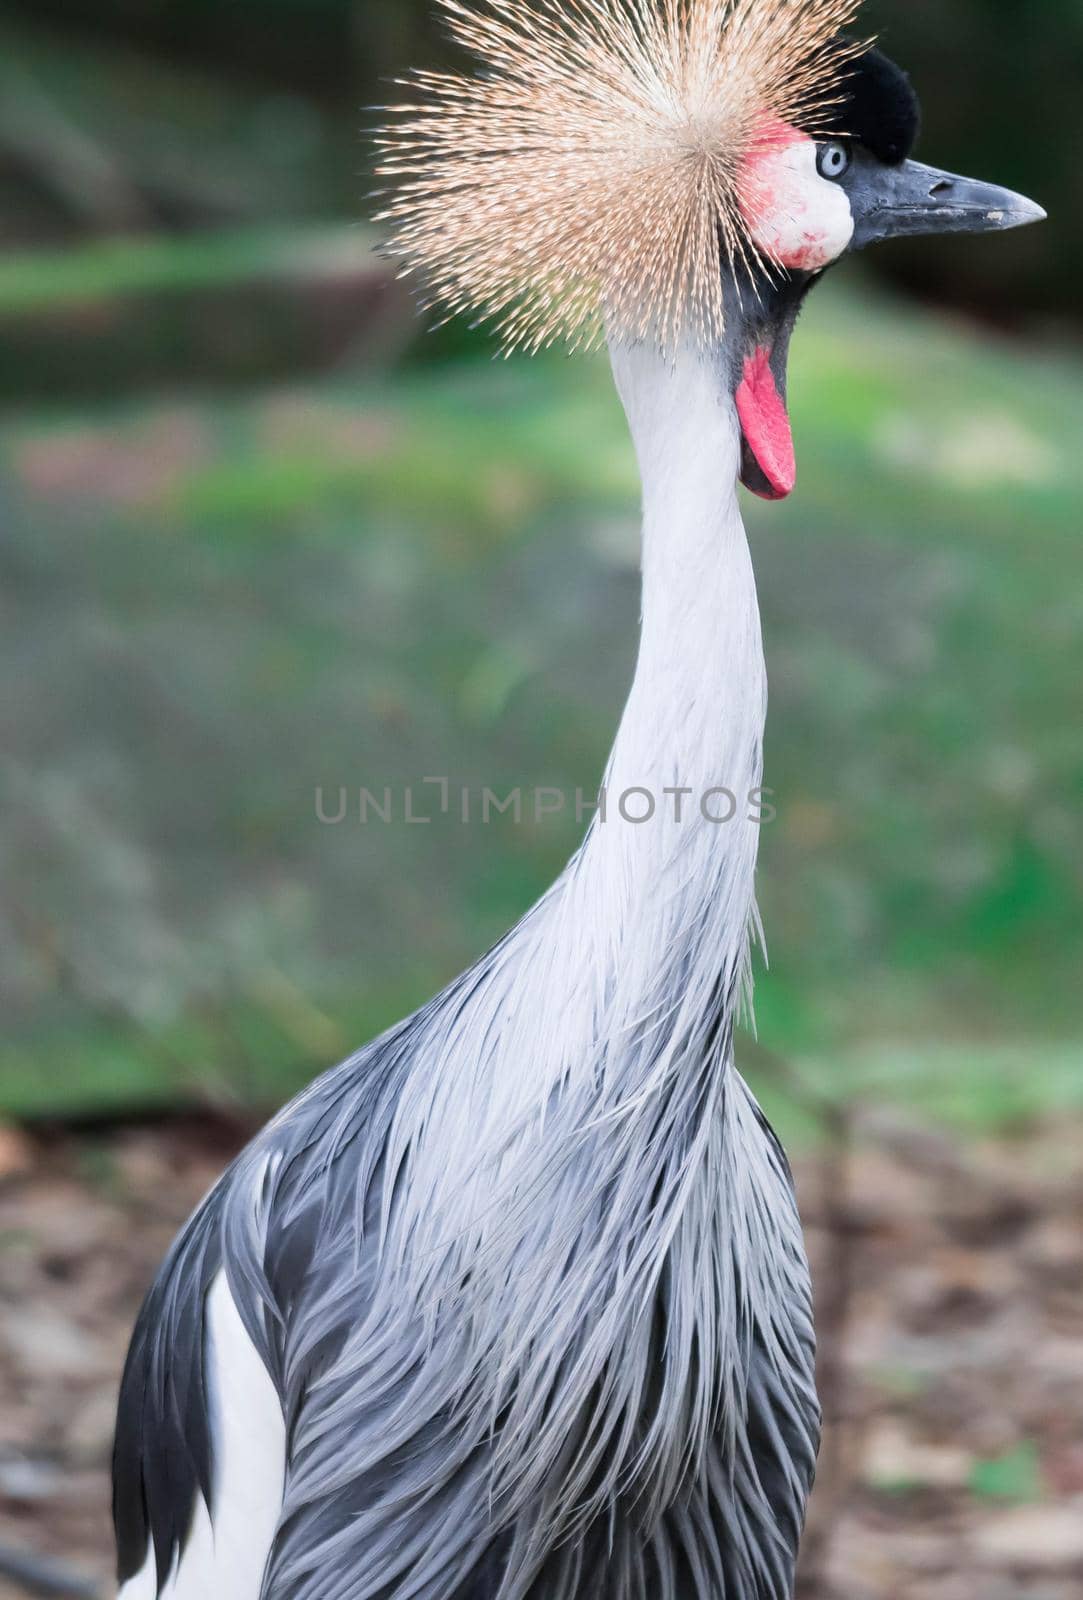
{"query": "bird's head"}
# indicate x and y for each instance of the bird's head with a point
(808, 200)
(675, 172)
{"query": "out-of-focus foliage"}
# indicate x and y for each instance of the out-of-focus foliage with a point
(1000, 87)
(260, 535)
(219, 604)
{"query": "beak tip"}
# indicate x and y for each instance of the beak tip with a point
(1021, 213)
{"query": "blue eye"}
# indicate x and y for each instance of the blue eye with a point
(832, 160)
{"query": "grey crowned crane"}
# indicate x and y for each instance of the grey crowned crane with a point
(513, 1303)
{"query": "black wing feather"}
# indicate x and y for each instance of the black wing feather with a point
(162, 1459)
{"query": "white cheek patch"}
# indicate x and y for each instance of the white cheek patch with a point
(797, 218)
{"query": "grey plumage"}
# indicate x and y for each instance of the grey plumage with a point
(400, 1480)
(162, 1457)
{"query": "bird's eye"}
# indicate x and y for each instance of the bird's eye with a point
(832, 160)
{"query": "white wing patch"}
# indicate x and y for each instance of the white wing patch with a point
(226, 1552)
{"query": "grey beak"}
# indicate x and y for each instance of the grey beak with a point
(895, 202)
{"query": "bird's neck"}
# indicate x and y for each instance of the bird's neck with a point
(606, 1014)
(697, 703)
(577, 1148)
(671, 898)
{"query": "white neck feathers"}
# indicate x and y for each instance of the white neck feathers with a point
(633, 964)
(680, 887)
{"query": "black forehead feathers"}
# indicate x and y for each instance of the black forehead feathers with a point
(878, 107)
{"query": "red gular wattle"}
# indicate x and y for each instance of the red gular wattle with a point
(765, 424)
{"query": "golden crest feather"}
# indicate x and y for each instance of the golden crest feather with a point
(589, 173)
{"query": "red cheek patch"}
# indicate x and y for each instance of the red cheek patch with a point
(766, 424)
(797, 218)
(772, 135)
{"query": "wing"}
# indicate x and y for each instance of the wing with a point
(231, 1337)
(199, 1458)
(162, 1452)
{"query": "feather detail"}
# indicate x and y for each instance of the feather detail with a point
(589, 174)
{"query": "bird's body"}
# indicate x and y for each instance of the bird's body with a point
(509, 1364)
(513, 1304)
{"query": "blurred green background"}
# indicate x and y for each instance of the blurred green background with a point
(261, 533)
